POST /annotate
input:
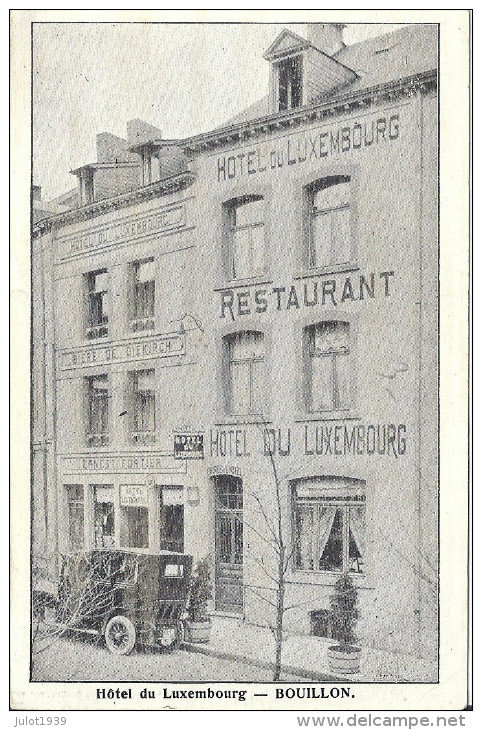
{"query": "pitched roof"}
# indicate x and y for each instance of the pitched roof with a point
(396, 55)
(286, 42)
(389, 57)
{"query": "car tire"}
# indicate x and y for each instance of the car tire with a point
(120, 635)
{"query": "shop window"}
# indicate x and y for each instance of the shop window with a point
(98, 316)
(329, 527)
(75, 501)
(290, 76)
(143, 406)
(330, 234)
(172, 527)
(329, 367)
(104, 532)
(134, 527)
(98, 411)
(246, 223)
(143, 295)
(246, 381)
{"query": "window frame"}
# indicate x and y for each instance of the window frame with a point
(228, 339)
(142, 320)
(112, 542)
(312, 190)
(79, 504)
(352, 493)
(309, 333)
(94, 436)
(296, 62)
(142, 436)
(230, 228)
(96, 326)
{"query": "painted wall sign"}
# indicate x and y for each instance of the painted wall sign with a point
(316, 439)
(133, 495)
(224, 470)
(123, 231)
(126, 463)
(310, 293)
(188, 446)
(298, 149)
(154, 347)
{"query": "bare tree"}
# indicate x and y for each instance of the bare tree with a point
(274, 533)
(85, 590)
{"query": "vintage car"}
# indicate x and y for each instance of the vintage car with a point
(128, 598)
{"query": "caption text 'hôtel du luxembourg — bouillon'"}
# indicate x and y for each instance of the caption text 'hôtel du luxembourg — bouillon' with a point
(254, 303)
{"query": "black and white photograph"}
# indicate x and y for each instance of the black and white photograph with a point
(235, 464)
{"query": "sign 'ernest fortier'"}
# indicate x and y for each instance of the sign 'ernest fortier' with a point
(154, 347)
(297, 149)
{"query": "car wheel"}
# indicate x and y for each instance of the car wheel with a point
(120, 635)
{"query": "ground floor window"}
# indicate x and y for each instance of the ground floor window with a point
(104, 525)
(75, 499)
(172, 528)
(329, 525)
(134, 527)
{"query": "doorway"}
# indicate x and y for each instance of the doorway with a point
(229, 544)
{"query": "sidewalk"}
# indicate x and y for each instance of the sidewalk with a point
(306, 656)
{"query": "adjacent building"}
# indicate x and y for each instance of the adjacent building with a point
(238, 331)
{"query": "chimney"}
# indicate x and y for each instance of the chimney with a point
(139, 132)
(327, 37)
(111, 148)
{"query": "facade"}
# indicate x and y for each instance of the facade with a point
(239, 330)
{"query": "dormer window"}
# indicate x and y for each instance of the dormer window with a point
(290, 83)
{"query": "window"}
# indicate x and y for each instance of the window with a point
(98, 411)
(329, 526)
(134, 527)
(75, 500)
(290, 83)
(98, 317)
(134, 516)
(104, 534)
(330, 239)
(246, 238)
(329, 367)
(143, 295)
(144, 407)
(246, 373)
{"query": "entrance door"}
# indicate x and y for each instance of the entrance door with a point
(229, 544)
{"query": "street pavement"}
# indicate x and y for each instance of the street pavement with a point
(80, 659)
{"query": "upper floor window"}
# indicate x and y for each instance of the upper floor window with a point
(144, 406)
(98, 411)
(329, 383)
(98, 316)
(329, 526)
(143, 295)
(246, 238)
(290, 74)
(330, 237)
(246, 373)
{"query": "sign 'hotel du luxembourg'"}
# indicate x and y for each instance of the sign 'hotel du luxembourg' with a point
(298, 149)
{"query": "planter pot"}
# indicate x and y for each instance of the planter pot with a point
(344, 659)
(198, 632)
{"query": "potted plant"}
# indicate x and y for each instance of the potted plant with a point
(199, 621)
(344, 658)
